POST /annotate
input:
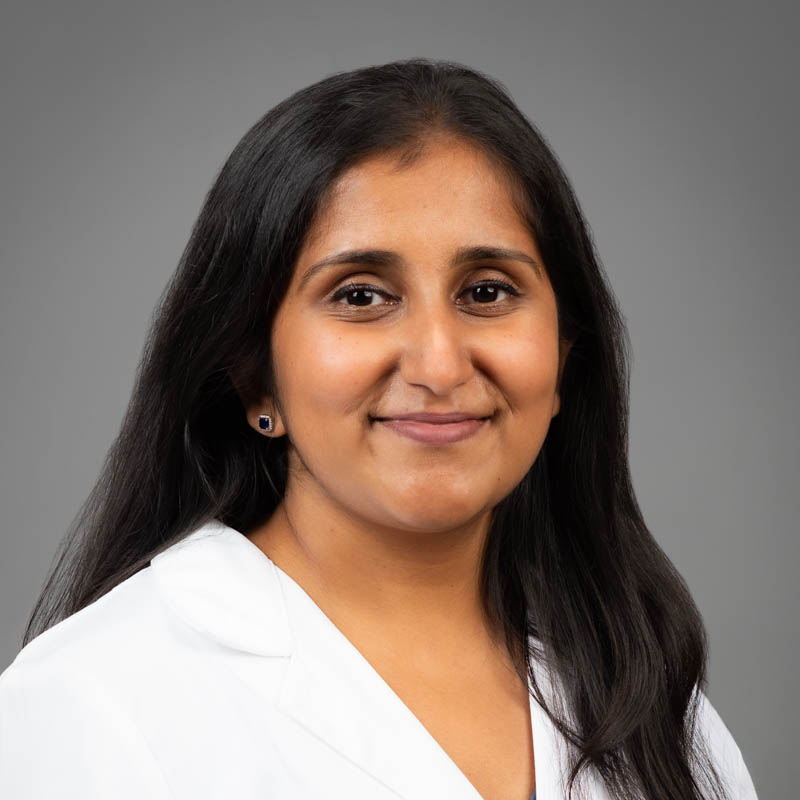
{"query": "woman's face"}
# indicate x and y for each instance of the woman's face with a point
(441, 329)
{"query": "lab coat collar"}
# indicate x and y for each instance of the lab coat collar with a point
(224, 587)
(227, 589)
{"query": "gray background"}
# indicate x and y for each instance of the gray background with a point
(677, 124)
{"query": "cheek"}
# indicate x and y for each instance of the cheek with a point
(528, 370)
(323, 372)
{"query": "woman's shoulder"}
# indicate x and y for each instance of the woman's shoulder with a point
(179, 627)
(137, 619)
(61, 699)
(116, 626)
(207, 597)
(723, 750)
(711, 732)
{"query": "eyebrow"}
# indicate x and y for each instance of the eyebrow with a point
(388, 258)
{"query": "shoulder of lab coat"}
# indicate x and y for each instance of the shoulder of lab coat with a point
(724, 751)
(63, 731)
(211, 673)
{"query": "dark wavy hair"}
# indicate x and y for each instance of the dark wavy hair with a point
(568, 561)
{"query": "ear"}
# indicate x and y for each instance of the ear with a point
(254, 406)
(563, 350)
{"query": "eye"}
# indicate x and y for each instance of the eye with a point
(363, 293)
(484, 292)
(488, 291)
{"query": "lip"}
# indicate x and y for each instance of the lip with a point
(435, 432)
(427, 416)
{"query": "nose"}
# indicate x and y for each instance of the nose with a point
(436, 350)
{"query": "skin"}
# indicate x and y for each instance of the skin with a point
(383, 532)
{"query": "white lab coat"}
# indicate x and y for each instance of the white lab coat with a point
(212, 674)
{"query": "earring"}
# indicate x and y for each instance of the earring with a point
(265, 422)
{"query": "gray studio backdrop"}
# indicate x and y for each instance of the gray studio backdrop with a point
(677, 124)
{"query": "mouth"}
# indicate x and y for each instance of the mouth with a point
(437, 418)
(433, 432)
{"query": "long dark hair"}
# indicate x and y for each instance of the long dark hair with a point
(568, 560)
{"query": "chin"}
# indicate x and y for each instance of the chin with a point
(443, 516)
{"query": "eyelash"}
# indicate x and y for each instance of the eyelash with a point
(354, 287)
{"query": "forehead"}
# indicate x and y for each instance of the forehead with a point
(452, 188)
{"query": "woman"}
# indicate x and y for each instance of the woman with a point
(368, 529)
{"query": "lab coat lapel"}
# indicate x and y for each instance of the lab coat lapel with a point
(227, 589)
(224, 587)
(332, 690)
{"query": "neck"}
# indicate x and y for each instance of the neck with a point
(382, 584)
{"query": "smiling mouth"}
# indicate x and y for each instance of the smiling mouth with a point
(434, 432)
(432, 418)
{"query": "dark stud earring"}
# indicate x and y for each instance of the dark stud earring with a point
(265, 422)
